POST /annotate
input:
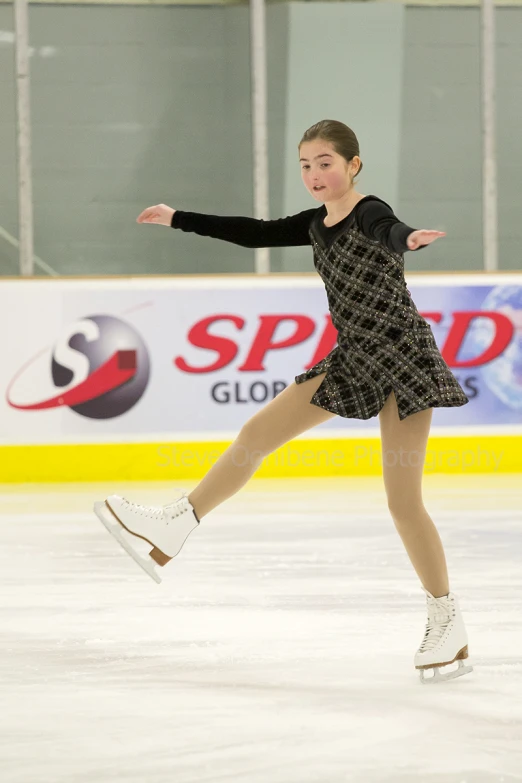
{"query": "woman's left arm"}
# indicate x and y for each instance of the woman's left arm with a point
(377, 221)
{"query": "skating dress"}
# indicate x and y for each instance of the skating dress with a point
(383, 342)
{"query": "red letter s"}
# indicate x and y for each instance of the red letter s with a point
(199, 337)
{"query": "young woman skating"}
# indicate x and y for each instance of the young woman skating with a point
(386, 363)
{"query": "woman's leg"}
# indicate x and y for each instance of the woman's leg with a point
(403, 453)
(288, 415)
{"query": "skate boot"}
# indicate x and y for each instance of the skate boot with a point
(445, 640)
(165, 528)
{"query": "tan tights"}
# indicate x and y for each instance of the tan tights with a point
(403, 453)
(288, 415)
(404, 448)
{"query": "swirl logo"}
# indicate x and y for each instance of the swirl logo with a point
(99, 368)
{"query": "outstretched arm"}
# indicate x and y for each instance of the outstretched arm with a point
(377, 221)
(244, 231)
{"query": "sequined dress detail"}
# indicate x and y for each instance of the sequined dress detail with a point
(383, 342)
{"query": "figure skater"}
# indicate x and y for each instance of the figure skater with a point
(386, 363)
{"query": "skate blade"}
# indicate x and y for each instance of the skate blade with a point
(439, 676)
(117, 531)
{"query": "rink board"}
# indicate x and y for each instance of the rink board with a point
(297, 459)
(152, 378)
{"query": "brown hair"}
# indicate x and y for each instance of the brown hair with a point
(341, 137)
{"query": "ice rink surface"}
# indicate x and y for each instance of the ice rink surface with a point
(278, 649)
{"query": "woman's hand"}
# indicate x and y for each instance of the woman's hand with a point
(423, 237)
(160, 214)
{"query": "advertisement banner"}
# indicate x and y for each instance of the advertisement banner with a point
(99, 360)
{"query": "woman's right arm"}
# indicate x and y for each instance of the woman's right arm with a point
(244, 231)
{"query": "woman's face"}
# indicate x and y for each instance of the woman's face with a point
(326, 175)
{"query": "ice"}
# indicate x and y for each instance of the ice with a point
(278, 648)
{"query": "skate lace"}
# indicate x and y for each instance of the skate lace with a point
(441, 612)
(169, 512)
(175, 509)
(152, 512)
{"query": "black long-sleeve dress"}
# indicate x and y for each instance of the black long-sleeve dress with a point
(383, 343)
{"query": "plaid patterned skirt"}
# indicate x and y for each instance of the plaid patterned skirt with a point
(360, 378)
(383, 342)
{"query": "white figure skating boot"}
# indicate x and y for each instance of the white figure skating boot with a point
(165, 528)
(445, 640)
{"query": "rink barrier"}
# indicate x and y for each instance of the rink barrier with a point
(51, 432)
(301, 458)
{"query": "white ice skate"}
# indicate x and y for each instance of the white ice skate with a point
(165, 528)
(445, 640)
